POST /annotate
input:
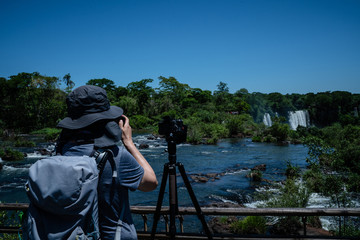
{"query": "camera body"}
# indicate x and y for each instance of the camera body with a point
(173, 128)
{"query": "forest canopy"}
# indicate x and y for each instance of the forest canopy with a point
(33, 101)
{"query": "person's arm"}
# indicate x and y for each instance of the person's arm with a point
(148, 181)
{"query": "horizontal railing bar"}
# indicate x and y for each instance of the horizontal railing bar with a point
(186, 236)
(228, 211)
(255, 211)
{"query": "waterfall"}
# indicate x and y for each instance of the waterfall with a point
(299, 118)
(267, 120)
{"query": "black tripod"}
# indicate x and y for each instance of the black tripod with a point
(170, 170)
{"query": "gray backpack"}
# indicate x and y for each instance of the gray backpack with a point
(63, 197)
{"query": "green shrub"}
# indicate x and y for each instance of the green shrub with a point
(12, 219)
(235, 125)
(354, 182)
(292, 171)
(349, 230)
(223, 219)
(140, 122)
(194, 134)
(292, 194)
(314, 179)
(213, 140)
(240, 124)
(9, 154)
(214, 130)
(21, 142)
(50, 134)
(249, 225)
(280, 131)
(256, 139)
(206, 116)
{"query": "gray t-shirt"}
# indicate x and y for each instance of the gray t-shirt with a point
(113, 196)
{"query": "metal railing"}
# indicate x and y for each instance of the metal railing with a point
(145, 211)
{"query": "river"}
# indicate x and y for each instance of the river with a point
(232, 159)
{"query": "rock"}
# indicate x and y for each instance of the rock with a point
(266, 180)
(203, 179)
(261, 167)
(211, 175)
(199, 178)
(143, 146)
(221, 224)
(44, 151)
(315, 222)
(312, 231)
(151, 138)
(286, 226)
(256, 176)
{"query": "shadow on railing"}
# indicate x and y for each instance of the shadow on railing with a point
(144, 211)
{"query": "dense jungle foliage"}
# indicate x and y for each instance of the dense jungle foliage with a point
(31, 101)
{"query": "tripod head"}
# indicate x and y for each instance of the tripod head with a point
(175, 132)
(173, 129)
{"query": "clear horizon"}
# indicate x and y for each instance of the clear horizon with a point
(263, 46)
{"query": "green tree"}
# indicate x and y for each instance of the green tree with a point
(141, 92)
(223, 99)
(173, 93)
(68, 82)
(33, 97)
(104, 83)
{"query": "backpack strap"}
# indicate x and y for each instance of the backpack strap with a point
(101, 157)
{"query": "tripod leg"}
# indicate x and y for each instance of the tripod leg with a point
(194, 200)
(160, 200)
(172, 199)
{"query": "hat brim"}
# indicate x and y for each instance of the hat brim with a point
(88, 119)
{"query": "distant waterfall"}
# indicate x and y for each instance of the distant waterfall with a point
(267, 120)
(299, 118)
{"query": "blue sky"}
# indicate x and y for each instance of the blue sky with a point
(285, 46)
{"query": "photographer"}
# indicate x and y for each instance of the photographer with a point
(93, 124)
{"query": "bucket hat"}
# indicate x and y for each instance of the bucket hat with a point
(86, 105)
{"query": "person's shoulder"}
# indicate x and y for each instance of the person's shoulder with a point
(123, 152)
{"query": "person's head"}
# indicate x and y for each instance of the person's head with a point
(89, 108)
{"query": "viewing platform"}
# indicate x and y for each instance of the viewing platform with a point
(146, 212)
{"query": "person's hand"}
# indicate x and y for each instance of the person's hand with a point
(126, 135)
(148, 181)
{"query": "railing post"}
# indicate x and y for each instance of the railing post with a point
(304, 219)
(340, 232)
(166, 218)
(181, 219)
(144, 216)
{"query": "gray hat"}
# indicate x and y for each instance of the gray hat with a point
(87, 105)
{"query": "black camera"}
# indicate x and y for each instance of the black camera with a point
(173, 128)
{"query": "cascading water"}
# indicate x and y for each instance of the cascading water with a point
(299, 118)
(267, 120)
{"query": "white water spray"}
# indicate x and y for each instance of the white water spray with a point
(267, 120)
(299, 118)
